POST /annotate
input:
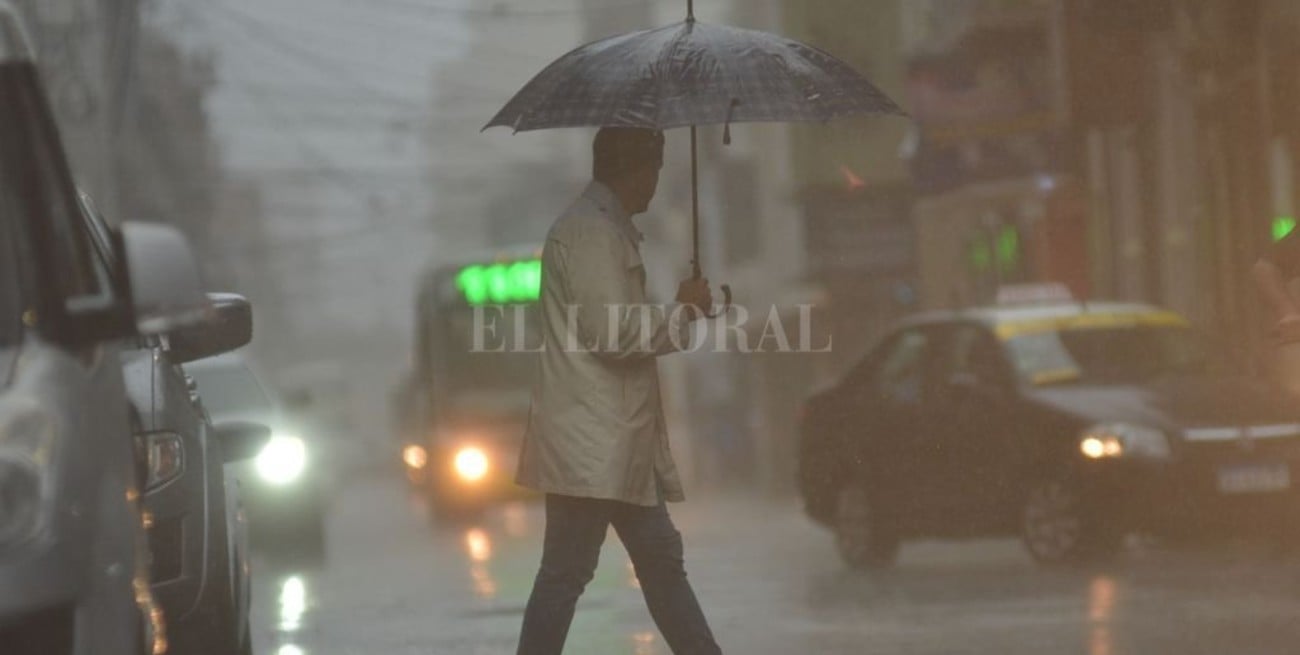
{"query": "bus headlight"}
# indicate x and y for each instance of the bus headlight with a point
(282, 460)
(471, 463)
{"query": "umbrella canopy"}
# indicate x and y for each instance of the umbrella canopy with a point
(691, 73)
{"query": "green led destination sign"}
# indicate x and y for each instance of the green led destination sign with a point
(1004, 247)
(501, 283)
(1282, 226)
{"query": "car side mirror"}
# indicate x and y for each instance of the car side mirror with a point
(229, 326)
(241, 440)
(163, 276)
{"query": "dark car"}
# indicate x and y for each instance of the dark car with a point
(196, 531)
(1070, 424)
(282, 486)
(73, 557)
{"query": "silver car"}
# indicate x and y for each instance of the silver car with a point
(198, 538)
(73, 561)
(284, 489)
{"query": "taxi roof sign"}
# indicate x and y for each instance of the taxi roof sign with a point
(1034, 294)
(14, 44)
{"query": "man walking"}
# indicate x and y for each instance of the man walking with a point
(596, 442)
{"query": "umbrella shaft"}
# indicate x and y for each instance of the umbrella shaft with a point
(695, 203)
(690, 9)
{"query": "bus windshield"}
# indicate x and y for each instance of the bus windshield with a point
(490, 349)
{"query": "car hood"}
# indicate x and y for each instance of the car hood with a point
(1176, 403)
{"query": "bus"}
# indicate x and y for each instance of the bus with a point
(477, 336)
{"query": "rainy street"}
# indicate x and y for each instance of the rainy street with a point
(771, 584)
(963, 326)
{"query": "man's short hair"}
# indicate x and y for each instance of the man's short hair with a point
(619, 150)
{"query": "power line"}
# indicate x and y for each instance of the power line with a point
(337, 27)
(318, 242)
(476, 45)
(321, 95)
(290, 130)
(259, 33)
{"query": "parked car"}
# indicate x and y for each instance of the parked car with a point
(197, 534)
(282, 488)
(73, 557)
(1071, 424)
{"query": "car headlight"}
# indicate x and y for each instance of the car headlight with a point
(282, 460)
(20, 501)
(166, 457)
(28, 437)
(471, 463)
(415, 457)
(1113, 440)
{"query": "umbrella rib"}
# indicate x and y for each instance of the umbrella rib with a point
(664, 64)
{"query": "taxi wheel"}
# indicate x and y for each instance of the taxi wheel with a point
(1057, 528)
(863, 539)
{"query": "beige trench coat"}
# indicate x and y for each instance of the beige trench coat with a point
(596, 428)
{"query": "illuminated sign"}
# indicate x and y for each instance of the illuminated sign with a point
(501, 283)
(1282, 226)
(1004, 247)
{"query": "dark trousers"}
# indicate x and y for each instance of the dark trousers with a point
(575, 530)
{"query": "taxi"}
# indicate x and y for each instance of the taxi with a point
(1071, 424)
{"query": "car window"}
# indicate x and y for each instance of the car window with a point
(12, 303)
(43, 195)
(1113, 355)
(901, 375)
(78, 278)
(972, 351)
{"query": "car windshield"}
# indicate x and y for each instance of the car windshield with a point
(231, 391)
(1112, 355)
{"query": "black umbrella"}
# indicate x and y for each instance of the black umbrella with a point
(692, 74)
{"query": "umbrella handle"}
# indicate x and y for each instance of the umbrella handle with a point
(726, 303)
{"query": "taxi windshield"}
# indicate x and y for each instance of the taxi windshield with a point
(1112, 355)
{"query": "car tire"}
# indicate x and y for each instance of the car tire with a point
(213, 629)
(219, 631)
(1057, 526)
(863, 538)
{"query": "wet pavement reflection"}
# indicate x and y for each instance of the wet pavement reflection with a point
(771, 585)
(479, 546)
(1101, 609)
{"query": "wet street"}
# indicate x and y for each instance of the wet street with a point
(771, 584)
